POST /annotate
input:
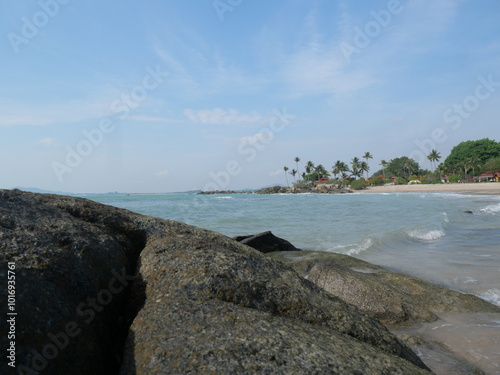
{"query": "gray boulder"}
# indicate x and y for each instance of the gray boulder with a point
(391, 297)
(103, 290)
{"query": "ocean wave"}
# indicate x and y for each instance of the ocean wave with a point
(224, 198)
(491, 295)
(445, 218)
(491, 209)
(426, 236)
(354, 248)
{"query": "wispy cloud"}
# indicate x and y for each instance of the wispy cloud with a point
(220, 116)
(151, 119)
(47, 142)
(276, 173)
(16, 119)
(162, 173)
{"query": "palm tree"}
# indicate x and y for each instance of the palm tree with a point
(407, 165)
(285, 168)
(474, 163)
(465, 164)
(343, 167)
(321, 172)
(433, 156)
(297, 159)
(384, 165)
(364, 167)
(355, 164)
(367, 156)
(293, 173)
(309, 169)
(337, 168)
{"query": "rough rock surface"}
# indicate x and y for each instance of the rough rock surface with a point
(266, 242)
(200, 302)
(391, 297)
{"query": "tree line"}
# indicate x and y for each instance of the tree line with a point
(464, 162)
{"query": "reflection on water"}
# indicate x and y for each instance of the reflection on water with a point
(459, 343)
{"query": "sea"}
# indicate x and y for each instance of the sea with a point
(449, 239)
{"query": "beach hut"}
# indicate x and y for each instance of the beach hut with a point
(489, 177)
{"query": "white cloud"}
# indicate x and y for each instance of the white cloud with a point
(220, 116)
(14, 120)
(47, 142)
(258, 137)
(162, 173)
(276, 173)
(151, 119)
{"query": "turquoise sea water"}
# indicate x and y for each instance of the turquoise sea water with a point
(427, 235)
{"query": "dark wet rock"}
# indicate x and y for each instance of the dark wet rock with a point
(199, 302)
(266, 242)
(274, 190)
(317, 189)
(391, 297)
(468, 212)
(211, 192)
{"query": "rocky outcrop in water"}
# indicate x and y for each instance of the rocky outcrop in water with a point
(391, 297)
(266, 242)
(319, 189)
(106, 291)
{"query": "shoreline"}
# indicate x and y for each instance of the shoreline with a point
(487, 188)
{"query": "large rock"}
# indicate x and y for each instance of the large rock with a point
(266, 242)
(391, 297)
(199, 302)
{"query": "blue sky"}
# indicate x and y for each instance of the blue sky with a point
(160, 96)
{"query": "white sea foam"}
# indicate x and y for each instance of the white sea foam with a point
(359, 247)
(426, 236)
(353, 248)
(224, 198)
(492, 296)
(492, 209)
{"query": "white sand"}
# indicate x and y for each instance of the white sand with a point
(474, 188)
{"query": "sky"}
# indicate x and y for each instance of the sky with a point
(165, 96)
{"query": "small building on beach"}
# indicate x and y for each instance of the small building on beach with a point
(489, 177)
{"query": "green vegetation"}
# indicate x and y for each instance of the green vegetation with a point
(465, 161)
(470, 157)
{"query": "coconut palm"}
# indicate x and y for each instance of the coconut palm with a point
(309, 169)
(364, 167)
(433, 157)
(474, 163)
(297, 159)
(466, 165)
(285, 168)
(384, 165)
(336, 169)
(320, 172)
(367, 156)
(355, 167)
(407, 166)
(293, 173)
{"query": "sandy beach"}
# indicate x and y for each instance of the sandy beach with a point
(474, 188)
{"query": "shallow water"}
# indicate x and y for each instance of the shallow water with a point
(427, 235)
(467, 341)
